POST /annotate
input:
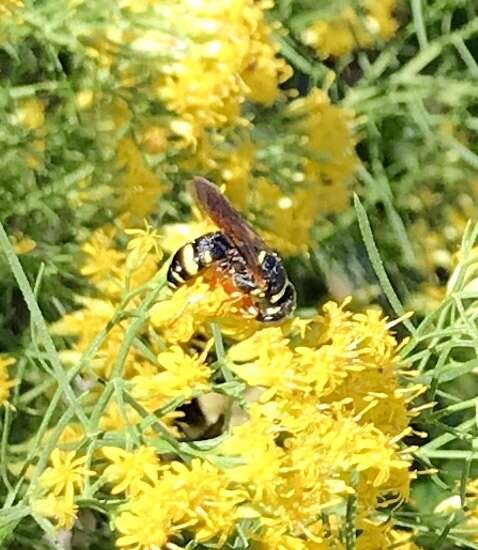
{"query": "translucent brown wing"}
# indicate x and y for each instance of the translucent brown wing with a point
(228, 219)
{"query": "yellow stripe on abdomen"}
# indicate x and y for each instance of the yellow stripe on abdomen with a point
(188, 260)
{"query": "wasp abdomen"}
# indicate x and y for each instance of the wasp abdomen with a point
(197, 255)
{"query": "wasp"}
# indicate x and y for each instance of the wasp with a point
(237, 251)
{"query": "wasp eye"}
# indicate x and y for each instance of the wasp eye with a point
(274, 273)
(269, 263)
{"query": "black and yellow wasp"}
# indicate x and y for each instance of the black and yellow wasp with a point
(238, 252)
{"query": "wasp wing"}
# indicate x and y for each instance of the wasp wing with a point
(227, 218)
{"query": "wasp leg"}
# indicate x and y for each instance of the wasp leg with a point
(271, 311)
(195, 256)
(237, 268)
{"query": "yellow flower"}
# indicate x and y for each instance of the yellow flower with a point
(380, 19)
(73, 433)
(31, 114)
(103, 262)
(329, 393)
(140, 246)
(180, 375)
(113, 419)
(264, 359)
(299, 210)
(254, 442)
(262, 70)
(62, 509)
(22, 244)
(346, 31)
(226, 55)
(275, 538)
(147, 520)
(84, 99)
(66, 473)
(212, 505)
(197, 497)
(138, 186)
(382, 535)
(193, 307)
(129, 469)
(5, 382)
(327, 130)
(154, 139)
(175, 235)
(84, 324)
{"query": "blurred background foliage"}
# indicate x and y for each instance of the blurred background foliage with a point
(108, 108)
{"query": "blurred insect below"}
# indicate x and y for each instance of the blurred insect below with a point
(238, 252)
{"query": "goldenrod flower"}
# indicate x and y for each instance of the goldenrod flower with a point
(139, 186)
(340, 34)
(73, 433)
(148, 519)
(179, 375)
(61, 508)
(66, 474)
(226, 55)
(328, 130)
(212, 503)
(175, 235)
(144, 241)
(31, 114)
(193, 307)
(22, 244)
(254, 442)
(375, 535)
(9, 6)
(129, 469)
(198, 497)
(103, 263)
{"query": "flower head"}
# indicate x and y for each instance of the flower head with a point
(198, 497)
(61, 508)
(348, 30)
(129, 469)
(179, 375)
(66, 474)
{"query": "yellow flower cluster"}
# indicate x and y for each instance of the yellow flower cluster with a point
(353, 27)
(436, 238)
(219, 54)
(222, 59)
(323, 423)
(62, 480)
(325, 170)
(198, 498)
(228, 58)
(323, 139)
